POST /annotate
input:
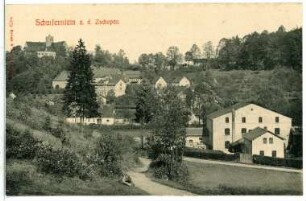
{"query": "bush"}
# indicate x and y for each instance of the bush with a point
(16, 179)
(47, 124)
(286, 162)
(206, 154)
(161, 169)
(108, 154)
(20, 145)
(58, 132)
(62, 162)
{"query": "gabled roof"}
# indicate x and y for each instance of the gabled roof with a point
(63, 76)
(194, 131)
(41, 46)
(257, 132)
(177, 79)
(35, 46)
(132, 73)
(100, 72)
(253, 134)
(157, 78)
(227, 110)
(114, 79)
(107, 111)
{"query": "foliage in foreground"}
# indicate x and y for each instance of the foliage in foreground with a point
(20, 145)
(62, 162)
(168, 142)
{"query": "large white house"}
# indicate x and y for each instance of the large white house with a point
(231, 124)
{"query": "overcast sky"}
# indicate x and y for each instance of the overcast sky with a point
(149, 28)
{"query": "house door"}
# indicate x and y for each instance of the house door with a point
(99, 121)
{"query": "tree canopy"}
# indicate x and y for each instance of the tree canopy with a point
(80, 98)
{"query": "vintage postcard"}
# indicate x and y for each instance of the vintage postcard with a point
(180, 99)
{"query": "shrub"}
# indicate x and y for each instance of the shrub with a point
(62, 162)
(16, 179)
(47, 124)
(59, 133)
(286, 162)
(20, 145)
(108, 154)
(206, 154)
(162, 170)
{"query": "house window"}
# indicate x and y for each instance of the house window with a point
(243, 130)
(262, 153)
(264, 140)
(260, 119)
(270, 140)
(107, 120)
(227, 131)
(243, 119)
(226, 120)
(277, 131)
(274, 154)
(200, 138)
(190, 141)
(276, 119)
(266, 128)
(226, 144)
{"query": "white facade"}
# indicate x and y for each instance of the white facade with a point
(103, 89)
(41, 54)
(119, 88)
(94, 120)
(267, 145)
(230, 126)
(194, 141)
(184, 82)
(59, 84)
(160, 83)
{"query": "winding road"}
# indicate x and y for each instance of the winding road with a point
(141, 181)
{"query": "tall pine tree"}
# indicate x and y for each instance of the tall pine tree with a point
(80, 99)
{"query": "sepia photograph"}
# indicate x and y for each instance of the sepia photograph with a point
(153, 99)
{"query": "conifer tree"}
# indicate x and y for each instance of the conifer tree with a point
(80, 99)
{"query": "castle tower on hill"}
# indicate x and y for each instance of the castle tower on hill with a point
(49, 40)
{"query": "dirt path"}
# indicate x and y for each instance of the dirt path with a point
(197, 160)
(141, 181)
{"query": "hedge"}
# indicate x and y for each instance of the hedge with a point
(285, 162)
(207, 154)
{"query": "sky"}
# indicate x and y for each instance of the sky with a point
(147, 28)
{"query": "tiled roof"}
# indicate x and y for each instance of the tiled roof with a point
(63, 76)
(106, 111)
(194, 131)
(110, 82)
(100, 72)
(132, 74)
(255, 133)
(41, 46)
(226, 110)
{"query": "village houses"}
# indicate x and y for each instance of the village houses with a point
(161, 83)
(248, 122)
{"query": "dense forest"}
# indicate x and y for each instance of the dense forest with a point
(262, 51)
